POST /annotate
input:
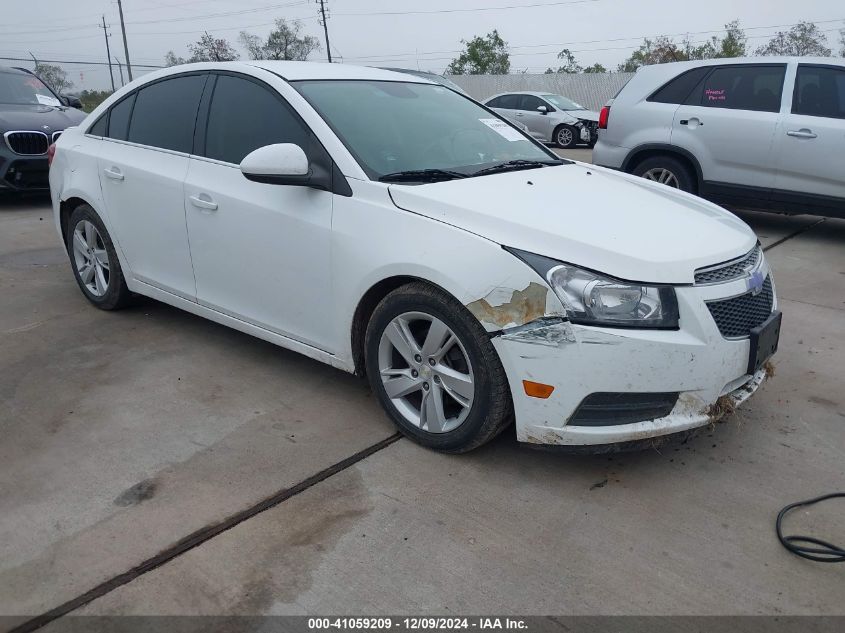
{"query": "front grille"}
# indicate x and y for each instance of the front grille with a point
(734, 269)
(27, 143)
(736, 316)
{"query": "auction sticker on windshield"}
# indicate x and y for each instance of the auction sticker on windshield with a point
(503, 129)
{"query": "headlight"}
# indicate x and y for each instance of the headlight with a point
(595, 299)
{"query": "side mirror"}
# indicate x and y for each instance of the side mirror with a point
(542, 109)
(278, 164)
(71, 101)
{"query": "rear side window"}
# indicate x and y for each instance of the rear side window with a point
(679, 88)
(245, 116)
(165, 113)
(101, 125)
(756, 88)
(530, 102)
(507, 102)
(118, 119)
(819, 91)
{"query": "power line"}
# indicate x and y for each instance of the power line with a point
(473, 10)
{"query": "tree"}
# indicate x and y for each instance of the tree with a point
(170, 59)
(595, 68)
(92, 98)
(658, 51)
(733, 44)
(211, 49)
(486, 55)
(570, 64)
(54, 77)
(805, 38)
(284, 42)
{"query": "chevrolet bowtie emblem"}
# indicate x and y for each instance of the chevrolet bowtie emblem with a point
(755, 282)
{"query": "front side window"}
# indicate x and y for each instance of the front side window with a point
(245, 116)
(819, 91)
(748, 87)
(165, 113)
(530, 102)
(394, 127)
(25, 89)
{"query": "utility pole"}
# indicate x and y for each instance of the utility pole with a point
(108, 53)
(322, 21)
(125, 45)
(120, 68)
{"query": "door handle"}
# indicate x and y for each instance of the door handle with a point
(113, 173)
(802, 133)
(519, 114)
(695, 122)
(203, 201)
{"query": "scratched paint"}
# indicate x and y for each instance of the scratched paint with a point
(552, 332)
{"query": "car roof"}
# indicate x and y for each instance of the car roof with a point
(298, 71)
(677, 67)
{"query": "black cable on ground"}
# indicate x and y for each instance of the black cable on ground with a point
(824, 552)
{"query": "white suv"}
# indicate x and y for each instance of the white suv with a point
(764, 133)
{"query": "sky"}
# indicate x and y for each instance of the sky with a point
(398, 33)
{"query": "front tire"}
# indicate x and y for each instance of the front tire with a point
(668, 171)
(566, 136)
(435, 370)
(94, 260)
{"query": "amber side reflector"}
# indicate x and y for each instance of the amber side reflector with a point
(537, 389)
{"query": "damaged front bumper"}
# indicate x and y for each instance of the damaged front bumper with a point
(676, 380)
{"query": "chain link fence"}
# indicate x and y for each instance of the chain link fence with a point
(592, 90)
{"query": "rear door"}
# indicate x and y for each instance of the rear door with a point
(142, 167)
(728, 123)
(811, 143)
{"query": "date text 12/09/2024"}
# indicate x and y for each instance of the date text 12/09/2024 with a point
(417, 623)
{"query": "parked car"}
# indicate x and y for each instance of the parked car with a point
(550, 118)
(31, 117)
(445, 81)
(392, 227)
(763, 133)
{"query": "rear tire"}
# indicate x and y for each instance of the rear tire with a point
(94, 260)
(667, 170)
(448, 388)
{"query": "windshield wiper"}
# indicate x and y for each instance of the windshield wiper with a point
(513, 165)
(422, 175)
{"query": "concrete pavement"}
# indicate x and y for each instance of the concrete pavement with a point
(125, 432)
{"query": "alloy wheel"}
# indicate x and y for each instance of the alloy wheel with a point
(663, 176)
(564, 136)
(91, 258)
(426, 372)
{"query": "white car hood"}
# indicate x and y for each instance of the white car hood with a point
(586, 115)
(612, 223)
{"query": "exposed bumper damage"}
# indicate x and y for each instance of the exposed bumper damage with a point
(536, 342)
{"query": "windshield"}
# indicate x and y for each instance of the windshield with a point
(395, 127)
(563, 103)
(24, 89)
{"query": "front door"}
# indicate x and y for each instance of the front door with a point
(261, 252)
(811, 141)
(540, 125)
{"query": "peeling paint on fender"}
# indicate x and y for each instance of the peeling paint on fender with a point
(506, 307)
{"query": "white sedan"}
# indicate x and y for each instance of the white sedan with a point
(391, 227)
